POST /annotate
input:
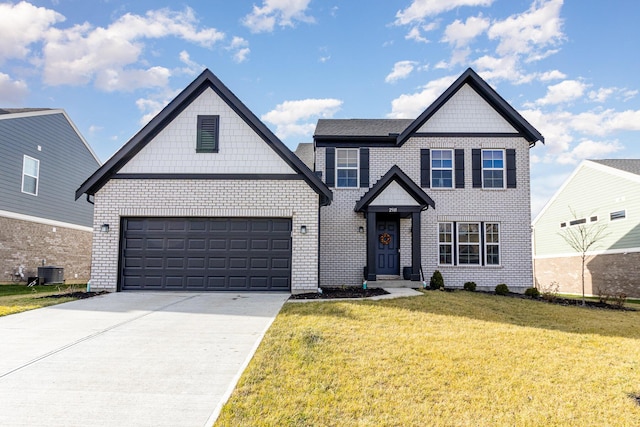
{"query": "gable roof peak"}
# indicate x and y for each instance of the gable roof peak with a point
(502, 107)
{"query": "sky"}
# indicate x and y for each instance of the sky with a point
(570, 68)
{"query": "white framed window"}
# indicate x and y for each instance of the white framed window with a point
(617, 215)
(442, 168)
(30, 175)
(445, 243)
(492, 243)
(493, 169)
(347, 167)
(468, 243)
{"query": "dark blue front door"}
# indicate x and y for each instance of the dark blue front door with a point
(387, 256)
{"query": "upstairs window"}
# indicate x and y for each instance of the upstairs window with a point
(617, 215)
(207, 136)
(441, 168)
(347, 167)
(30, 175)
(492, 168)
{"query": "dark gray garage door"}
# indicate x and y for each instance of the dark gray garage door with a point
(207, 254)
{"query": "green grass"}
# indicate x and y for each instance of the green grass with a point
(17, 298)
(442, 359)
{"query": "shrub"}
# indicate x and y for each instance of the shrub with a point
(618, 300)
(470, 286)
(502, 289)
(550, 292)
(532, 292)
(437, 281)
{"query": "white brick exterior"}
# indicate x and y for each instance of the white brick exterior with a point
(343, 249)
(206, 198)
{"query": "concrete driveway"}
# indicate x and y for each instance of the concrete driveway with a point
(129, 359)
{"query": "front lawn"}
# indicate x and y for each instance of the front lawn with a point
(442, 359)
(17, 298)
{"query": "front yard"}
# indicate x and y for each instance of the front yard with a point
(442, 359)
(16, 298)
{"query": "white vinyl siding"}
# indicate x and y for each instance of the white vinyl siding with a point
(30, 175)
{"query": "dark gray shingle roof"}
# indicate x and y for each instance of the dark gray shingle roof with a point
(361, 127)
(627, 165)
(305, 152)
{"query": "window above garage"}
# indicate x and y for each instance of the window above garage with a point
(208, 134)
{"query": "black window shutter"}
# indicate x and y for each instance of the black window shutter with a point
(364, 167)
(459, 168)
(476, 166)
(207, 135)
(425, 168)
(330, 166)
(511, 168)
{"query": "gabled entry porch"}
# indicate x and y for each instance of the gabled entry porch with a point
(393, 197)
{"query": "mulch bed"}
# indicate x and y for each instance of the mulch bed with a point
(76, 295)
(341, 292)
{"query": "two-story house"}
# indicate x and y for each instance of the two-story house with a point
(44, 159)
(447, 191)
(205, 197)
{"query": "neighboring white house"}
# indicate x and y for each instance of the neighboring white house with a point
(205, 197)
(598, 194)
(448, 191)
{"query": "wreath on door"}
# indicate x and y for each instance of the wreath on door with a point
(385, 238)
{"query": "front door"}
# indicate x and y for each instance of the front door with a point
(387, 255)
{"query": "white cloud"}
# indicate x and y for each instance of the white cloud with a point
(286, 116)
(240, 47)
(12, 92)
(601, 94)
(21, 25)
(401, 70)
(412, 105)
(565, 91)
(500, 68)
(414, 34)
(281, 12)
(93, 129)
(420, 9)
(529, 33)
(111, 56)
(191, 67)
(152, 105)
(552, 75)
(460, 33)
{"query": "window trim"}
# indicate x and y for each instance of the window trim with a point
(503, 169)
(451, 244)
(356, 168)
(24, 173)
(201, 119)
(451, 169)
(478, 244)
(487, 244)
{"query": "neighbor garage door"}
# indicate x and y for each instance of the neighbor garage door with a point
(210, 254)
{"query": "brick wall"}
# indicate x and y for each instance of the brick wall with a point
(206, 198)
(27, 243)
(617, 273)
(343, 250)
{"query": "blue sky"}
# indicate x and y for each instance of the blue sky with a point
(571, 68)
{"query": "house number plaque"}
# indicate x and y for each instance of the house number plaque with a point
(393, 209)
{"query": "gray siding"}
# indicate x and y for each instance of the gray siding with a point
(65, 162)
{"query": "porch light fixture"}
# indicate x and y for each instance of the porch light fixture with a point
(104, 228)
(361, 229)
(303, 229)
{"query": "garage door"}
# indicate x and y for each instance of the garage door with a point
(206, 254)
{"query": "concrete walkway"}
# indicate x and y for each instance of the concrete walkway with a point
(129, 359)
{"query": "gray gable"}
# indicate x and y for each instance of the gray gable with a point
(626, 165)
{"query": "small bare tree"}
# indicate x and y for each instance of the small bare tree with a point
(582, 237)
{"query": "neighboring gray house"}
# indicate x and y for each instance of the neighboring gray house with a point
(447, 191)
(601, 193)
(205, 197)
(44, 159)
